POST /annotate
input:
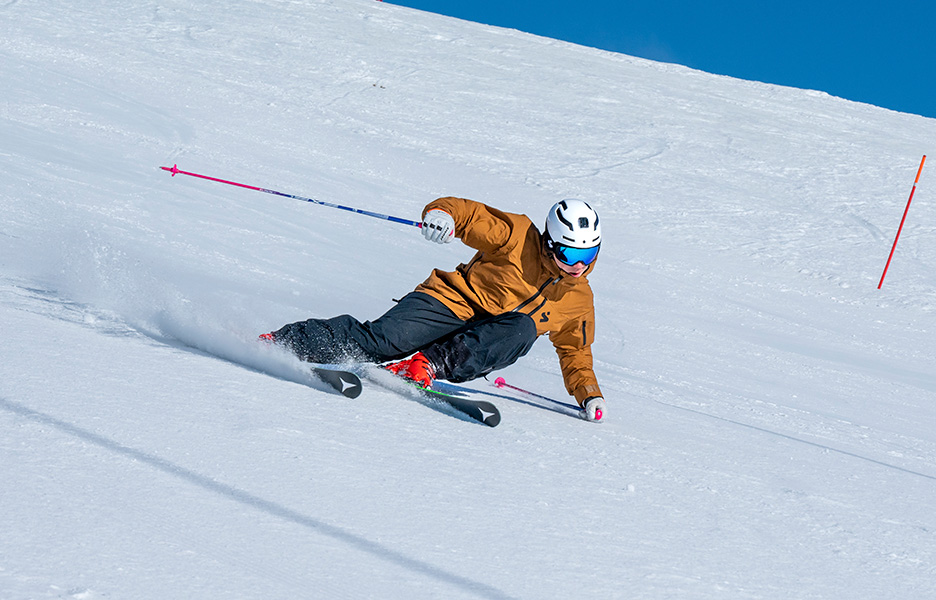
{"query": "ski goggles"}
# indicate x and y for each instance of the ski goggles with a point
(571, 256)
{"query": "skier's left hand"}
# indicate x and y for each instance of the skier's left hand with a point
(438, 226)
(594, 409)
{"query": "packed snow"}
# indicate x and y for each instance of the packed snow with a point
(771, 424)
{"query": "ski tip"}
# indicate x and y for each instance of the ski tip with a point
(484, 412)
(346, 383)
(492, 420)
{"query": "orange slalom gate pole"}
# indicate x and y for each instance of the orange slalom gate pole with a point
(906, 210)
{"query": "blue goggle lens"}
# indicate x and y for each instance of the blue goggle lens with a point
(570, 256)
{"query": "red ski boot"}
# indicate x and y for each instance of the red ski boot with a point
(416, 368)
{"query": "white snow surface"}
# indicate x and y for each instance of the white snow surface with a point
(771, 424)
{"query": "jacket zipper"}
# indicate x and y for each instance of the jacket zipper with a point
(534, 296)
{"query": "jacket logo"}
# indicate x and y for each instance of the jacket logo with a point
(544, 317)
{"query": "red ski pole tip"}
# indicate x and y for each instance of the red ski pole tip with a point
(500, 382)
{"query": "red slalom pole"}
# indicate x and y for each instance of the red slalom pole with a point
(175, 170)
(906, 210)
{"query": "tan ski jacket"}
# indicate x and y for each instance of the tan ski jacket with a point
(513, 272)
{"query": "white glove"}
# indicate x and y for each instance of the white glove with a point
(438, 226)
(594, 409)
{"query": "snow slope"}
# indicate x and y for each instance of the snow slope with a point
(771, 415)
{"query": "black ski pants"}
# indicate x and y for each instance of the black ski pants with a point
(459, 350)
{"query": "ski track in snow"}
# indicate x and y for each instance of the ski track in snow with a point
(255, 503)
(770, 425)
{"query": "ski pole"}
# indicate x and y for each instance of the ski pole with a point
(174, 169)
(906, 210)
(500, 382)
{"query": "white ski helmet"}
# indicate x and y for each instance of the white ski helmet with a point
(573, 232)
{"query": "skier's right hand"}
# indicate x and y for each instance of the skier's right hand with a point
(438, 226)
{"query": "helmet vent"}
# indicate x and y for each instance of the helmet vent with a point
(583, 222)
(563, 219)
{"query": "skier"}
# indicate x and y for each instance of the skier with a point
(487, 313)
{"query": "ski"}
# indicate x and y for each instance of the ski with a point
(344, 382)
(479, 410)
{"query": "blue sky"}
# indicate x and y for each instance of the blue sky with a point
(879, 52)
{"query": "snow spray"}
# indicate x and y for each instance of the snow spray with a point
(906, 210)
